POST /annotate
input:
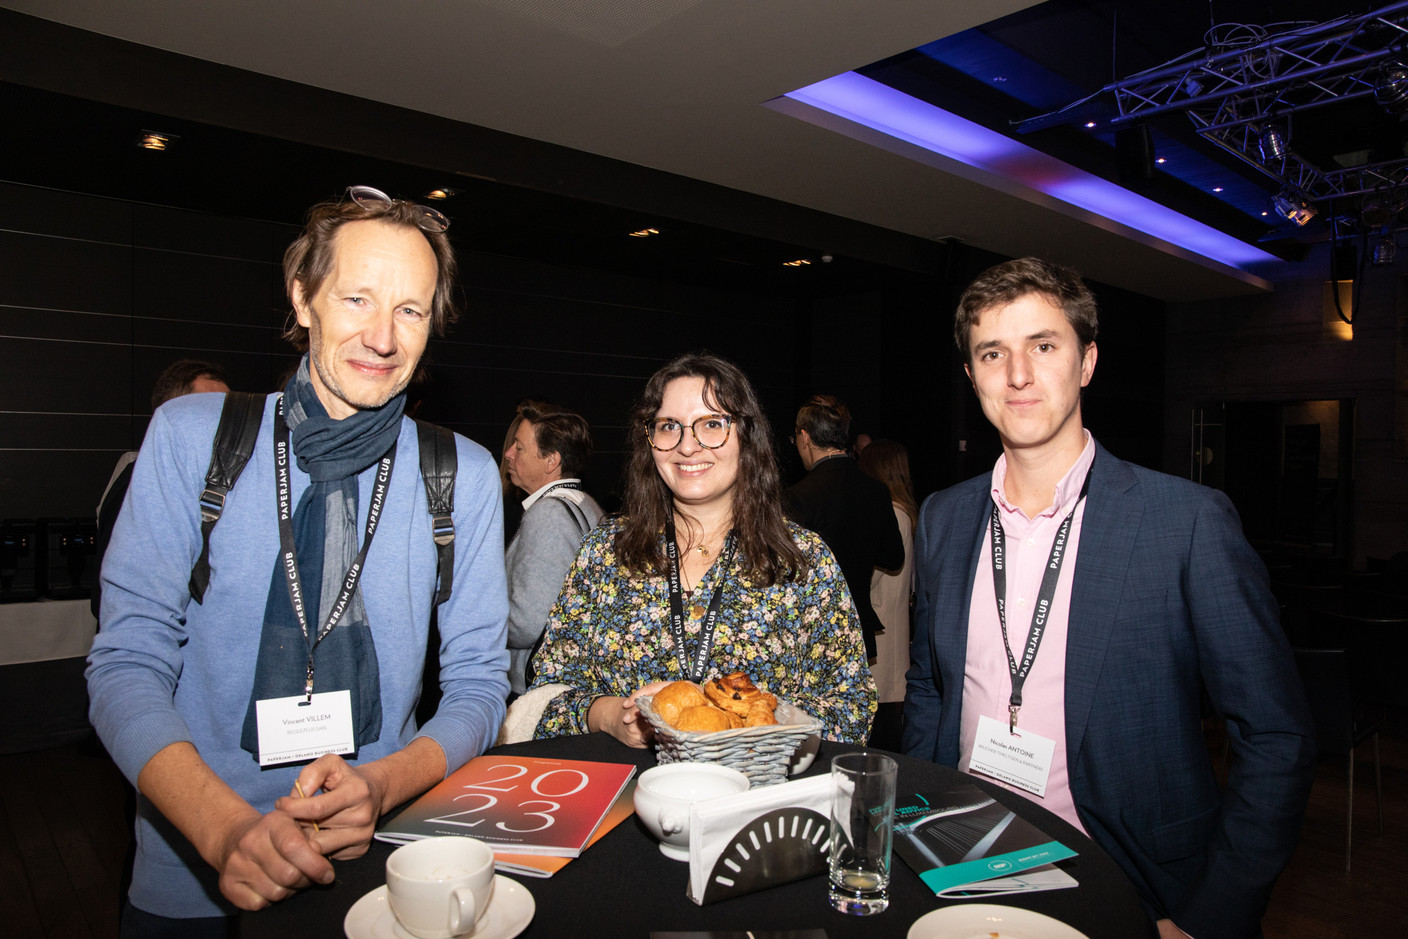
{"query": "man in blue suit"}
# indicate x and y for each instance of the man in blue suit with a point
(1071, 607)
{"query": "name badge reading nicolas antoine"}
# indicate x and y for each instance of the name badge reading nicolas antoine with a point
(1022, 759)
(292, 729)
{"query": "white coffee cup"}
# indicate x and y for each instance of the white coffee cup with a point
(440, 887)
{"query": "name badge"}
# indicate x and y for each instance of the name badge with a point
(1022, 759)
(293, 730)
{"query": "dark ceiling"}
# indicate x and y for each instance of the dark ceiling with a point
(1048, 56)
(61, 142)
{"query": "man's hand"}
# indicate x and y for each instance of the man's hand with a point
(1169, 931)
(261, 858)
(621, 719)
(264, 858)
(346, 810)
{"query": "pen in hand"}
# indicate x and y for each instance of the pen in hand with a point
(302, 795)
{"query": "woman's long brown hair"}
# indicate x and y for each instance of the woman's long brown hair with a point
(766, 551)
(888, 461)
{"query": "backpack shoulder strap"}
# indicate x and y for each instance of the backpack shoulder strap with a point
(439, 463)
(234, 443)
(578, 515)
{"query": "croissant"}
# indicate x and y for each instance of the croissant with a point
(674, 698)
(704, 719)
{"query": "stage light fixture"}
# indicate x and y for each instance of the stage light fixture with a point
(1383, 250)
(1292, 207)
(1273, 143)
(1392, 90)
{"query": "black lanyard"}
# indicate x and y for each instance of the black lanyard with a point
(1042, 613)
(706, 633)
(286, 547)
(565, 484)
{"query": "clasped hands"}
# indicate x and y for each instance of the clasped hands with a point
(266, 858)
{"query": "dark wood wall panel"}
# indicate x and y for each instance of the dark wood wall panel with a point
(42, 376)
(183, 286)
(213, 236)
(67, 431)
(17, 322)
(43, 271)
(95, 303)
(64, 214)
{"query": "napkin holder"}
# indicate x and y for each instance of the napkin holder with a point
(762, 838)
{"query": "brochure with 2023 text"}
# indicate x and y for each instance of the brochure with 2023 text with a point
(516, 805)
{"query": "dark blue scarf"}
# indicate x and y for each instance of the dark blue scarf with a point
(325, 534)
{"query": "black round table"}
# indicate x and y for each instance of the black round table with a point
(622, 886)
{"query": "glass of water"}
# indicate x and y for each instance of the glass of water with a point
(862, 829)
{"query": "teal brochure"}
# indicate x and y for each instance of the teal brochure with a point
(960, 835)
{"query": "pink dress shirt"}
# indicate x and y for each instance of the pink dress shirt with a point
(987, 679)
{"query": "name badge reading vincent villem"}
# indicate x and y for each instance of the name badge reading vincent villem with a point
(293, 729)
(1022, 759)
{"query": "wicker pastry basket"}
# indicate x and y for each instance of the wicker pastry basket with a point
(763, 754)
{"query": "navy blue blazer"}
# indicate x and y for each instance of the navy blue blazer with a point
(1168, 598)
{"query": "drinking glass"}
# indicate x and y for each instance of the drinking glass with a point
(862, 829)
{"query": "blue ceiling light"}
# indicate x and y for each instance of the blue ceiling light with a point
(900, 117)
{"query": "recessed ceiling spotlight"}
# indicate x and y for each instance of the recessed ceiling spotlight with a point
(1089, 124)
(442, 194)
(800, 262)
(1216, 188)
(155, 140)
(999, 78)
(1161, 160)
(644, 233)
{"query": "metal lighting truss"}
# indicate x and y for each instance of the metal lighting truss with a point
(1246, 81)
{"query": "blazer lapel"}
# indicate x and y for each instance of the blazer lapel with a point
(1109, 526)
(971, 526)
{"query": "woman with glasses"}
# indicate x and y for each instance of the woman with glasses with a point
(701, 575)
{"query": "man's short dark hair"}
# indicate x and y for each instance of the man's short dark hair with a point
(562, 431)
(176, 379)
(827, 420)
(308, 261)
(1009, 282)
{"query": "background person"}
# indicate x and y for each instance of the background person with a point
(848, 509)
(182, 377)
(891, 592)
(550, 450)
(702, 513)
(1099, 671)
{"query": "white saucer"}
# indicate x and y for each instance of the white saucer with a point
(509, 913)
(974, 920)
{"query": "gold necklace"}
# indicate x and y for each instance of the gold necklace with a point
(703, 546)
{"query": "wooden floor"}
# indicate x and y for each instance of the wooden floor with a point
(62, 842)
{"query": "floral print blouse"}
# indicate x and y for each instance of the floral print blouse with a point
(609, 634)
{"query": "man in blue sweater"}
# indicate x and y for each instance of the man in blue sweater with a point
(308, 643)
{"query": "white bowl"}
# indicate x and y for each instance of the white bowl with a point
(665, 793)
(803, 756)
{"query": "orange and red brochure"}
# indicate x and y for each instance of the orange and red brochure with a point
(519, 806)
(544, 865)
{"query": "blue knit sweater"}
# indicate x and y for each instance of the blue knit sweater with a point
(164, 669)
